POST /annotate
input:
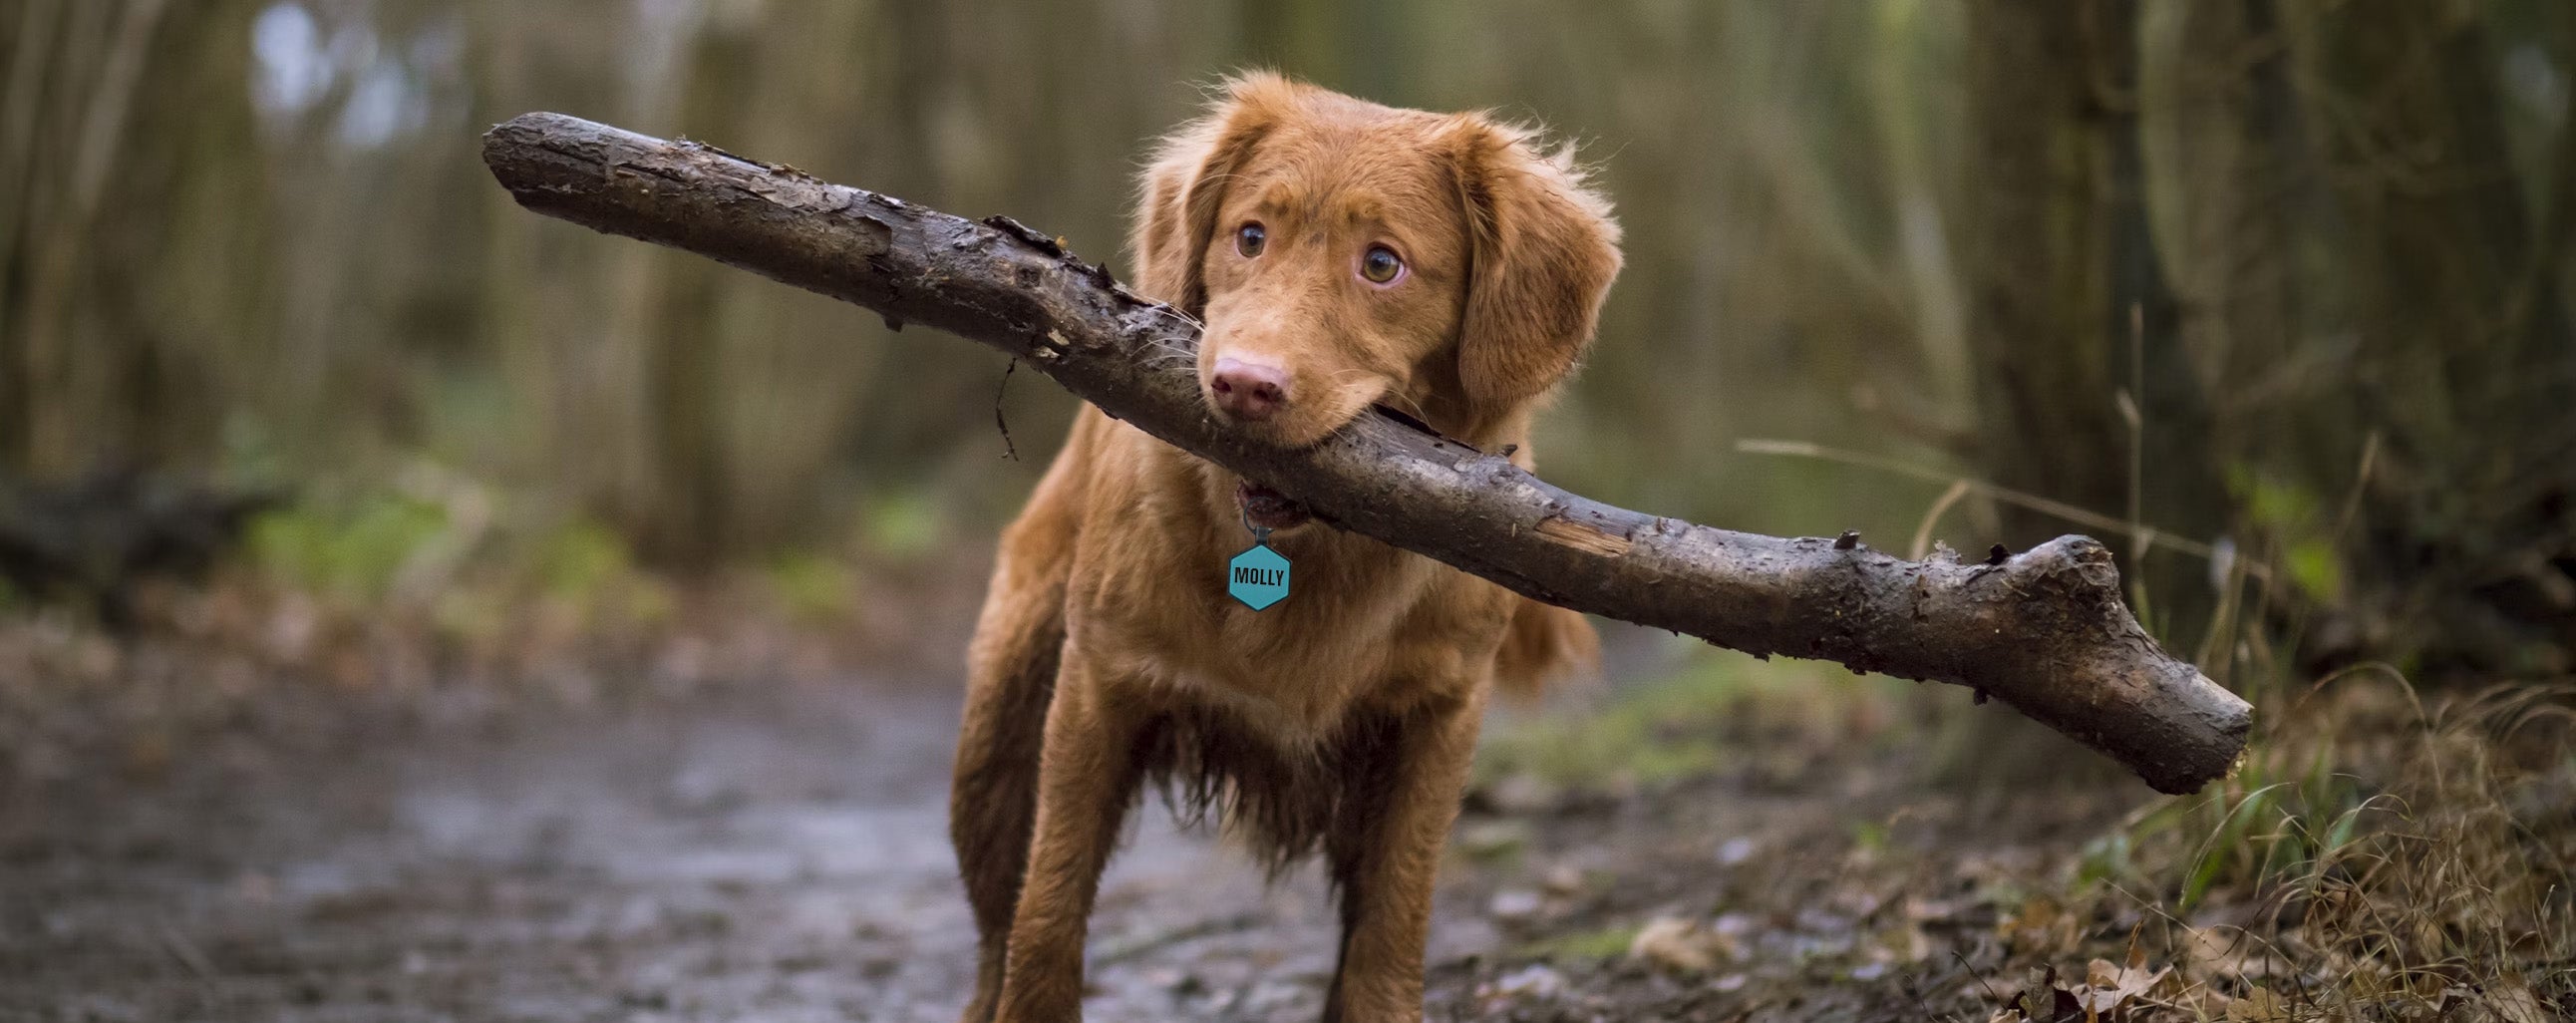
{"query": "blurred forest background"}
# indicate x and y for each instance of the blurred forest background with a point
(2274, 295)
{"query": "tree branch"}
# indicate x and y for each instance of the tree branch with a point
(2044, 630)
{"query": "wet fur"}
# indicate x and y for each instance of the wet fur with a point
(1109, 657)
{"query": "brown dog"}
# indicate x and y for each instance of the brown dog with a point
(1341, 254)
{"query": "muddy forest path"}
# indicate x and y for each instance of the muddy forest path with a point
(779, 852)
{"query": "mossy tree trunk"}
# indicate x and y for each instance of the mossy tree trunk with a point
(2082, 392)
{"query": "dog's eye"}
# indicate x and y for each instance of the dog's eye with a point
(1381, 264)
(1249, 238)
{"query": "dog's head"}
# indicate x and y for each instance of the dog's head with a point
(1342, 254)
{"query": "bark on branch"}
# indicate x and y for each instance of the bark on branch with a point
(2044, 630)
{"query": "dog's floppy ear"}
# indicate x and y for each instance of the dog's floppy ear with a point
(1544, 251)
(1186, 183)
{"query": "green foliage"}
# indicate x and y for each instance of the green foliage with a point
(2292, 516)
(1694, 722)
(381, 548)
(1869, 837)
(905, 523)
(1656, 732)
(2283, 817)
(354, 554)
(590, 568)
(814, 589)
(2315, 567)
(2110, 857)
(577, 561)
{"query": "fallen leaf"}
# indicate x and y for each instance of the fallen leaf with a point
(2044, 1000)
(1904, 943)
(2509, 1000)
(2260, 1005)
(2107, 987)
(1677, 944)
(2041, 928)
(2228, 953)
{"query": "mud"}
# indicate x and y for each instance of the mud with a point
(777, 855)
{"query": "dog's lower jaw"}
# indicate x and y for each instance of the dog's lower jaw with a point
(1265, 508)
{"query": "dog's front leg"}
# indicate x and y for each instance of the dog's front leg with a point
(1087, 776)
(1386, 857)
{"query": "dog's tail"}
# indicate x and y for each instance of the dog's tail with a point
(1545, 644)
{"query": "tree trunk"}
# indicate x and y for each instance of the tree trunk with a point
(2083, 392)
(2070, 317)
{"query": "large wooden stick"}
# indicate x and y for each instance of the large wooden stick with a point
(2044, 630)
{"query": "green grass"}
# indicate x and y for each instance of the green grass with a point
(1702, 719)
(813, 589)
(354, 553)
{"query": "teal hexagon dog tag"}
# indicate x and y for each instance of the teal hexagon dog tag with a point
(1258, 577)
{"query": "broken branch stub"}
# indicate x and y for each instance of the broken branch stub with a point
(2044, 630)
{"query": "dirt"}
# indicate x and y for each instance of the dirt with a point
(779, 852)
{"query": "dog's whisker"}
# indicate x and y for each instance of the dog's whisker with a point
(1406, 405)
(1168, 349)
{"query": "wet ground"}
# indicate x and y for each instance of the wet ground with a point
(779, 853)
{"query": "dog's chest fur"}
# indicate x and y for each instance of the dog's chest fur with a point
(1365, 627)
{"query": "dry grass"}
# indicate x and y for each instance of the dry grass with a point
(2382, 854)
